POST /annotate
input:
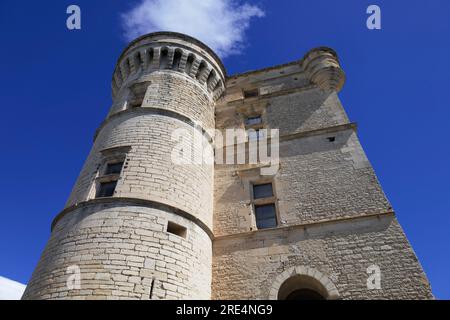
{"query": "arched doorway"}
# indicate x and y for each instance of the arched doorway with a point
(304, 294)
(302, 287)
(303, 283)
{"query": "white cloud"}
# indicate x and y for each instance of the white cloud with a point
(10, 290)
(221, 24)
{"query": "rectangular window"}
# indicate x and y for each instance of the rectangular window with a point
(134, 104)
(114, 168)
(266, 216)
(253, 120)
(264, 205)
(251, 93)
(112, 163)
(176, 229)
(262, 191)
(106, 189)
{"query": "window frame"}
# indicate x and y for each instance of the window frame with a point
(270, 200)
(101, 185)
(109, 157)
(256, 185)
(112, 163)
(275, 217)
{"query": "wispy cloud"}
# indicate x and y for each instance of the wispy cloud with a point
(221, 24)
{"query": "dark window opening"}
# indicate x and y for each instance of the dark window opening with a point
(163, 62)
(251, 93)
(262, 191)
(176, 60)
(134, 104)
(265, 216)
(200, 70)
(211, 79)
(150, 56)
(331, 139)
(128, 67)
(189, 62)
(137, 61)
(114, 168)
(176, 229)
(217, 86)
(106, 189)
(253, 120)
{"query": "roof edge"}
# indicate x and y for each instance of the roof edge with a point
(180, 35)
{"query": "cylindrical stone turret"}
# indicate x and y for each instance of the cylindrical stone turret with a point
(322, 67)
(137, 225)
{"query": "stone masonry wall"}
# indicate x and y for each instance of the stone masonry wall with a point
(304, 111)
(123, 252)
(177, 92)
(164, 84)
(149, 172)
(172, 91)
(334, 220)
(291, 113)
(248, 266)
(317, 180)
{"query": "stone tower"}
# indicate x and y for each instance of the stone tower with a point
(139, 226)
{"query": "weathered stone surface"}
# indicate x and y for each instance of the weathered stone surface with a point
(333, 219)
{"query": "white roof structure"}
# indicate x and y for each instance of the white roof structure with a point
(10, 289)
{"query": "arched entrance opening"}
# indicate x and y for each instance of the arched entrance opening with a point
(302, 283)
(304, 294)
(302, 287)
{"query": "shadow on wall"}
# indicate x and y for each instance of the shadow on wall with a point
(313, 144)
(305, 111)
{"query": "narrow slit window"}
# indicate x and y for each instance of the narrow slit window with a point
(200, 70)
(262, 191)
(176, 60)
(189, 62)
(106, 189)
(176, 229)
(114, 168)
(251, 93)
(163, 60)
(266, 216)
(137, 61)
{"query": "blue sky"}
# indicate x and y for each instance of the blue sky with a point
(55, 91)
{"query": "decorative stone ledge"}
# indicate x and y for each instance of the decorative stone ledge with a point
(317, 132)
(156, 111)
(305, 226)
(136, 202)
